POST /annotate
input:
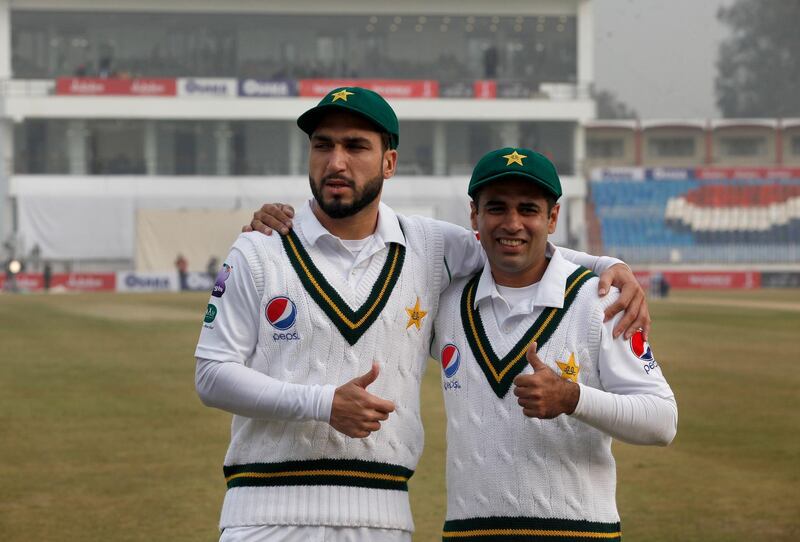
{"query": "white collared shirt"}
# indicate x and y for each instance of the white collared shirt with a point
(510, 304)
(350, 258)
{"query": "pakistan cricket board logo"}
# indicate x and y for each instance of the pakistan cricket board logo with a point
(211, 313)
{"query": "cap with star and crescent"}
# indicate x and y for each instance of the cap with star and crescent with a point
(518, 163)
(359, 101)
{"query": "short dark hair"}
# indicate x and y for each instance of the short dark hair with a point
(386, 141)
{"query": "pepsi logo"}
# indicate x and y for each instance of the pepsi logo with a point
(451, 359)
(281, 313)
(640, 347)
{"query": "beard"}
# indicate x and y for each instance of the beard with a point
(335, 207)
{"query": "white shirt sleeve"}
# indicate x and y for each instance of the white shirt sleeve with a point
(598, 264)
(228, 339)
(463, 254)
(230, 328)
(247, 392)
(636, 405)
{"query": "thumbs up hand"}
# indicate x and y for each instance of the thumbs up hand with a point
(356, 412)
(543, 394)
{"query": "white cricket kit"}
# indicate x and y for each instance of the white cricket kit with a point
(288, 321)
(510, 475)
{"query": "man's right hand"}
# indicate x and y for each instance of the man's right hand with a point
(271, 216)
(355, 411)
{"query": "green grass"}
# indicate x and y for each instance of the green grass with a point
(103, 438)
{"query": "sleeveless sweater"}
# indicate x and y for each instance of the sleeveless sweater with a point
(314, 329)
(507, 474)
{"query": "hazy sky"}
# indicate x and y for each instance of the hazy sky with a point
(659, 56)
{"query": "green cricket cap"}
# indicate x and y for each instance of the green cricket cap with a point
(357, 100)
(515, 162)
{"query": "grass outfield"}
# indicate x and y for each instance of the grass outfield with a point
(102, 437)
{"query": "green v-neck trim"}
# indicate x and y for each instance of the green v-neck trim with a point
(351, 324)
(500, 373)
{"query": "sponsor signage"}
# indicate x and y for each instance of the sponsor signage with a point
(456, 89)
(388, 88)
(670, 174)
(85, 282)
(261, 88)
(618, 174)
(206, 88)
(73, 282)
(747, 173)
(517, 90)
(25, 281)
(720, 280)
(131, 281)
(83, 86)
(485, 89)
(688, 174)
(199, 282)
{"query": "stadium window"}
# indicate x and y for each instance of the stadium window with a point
(260, 147)
(743, 145)
(116, 147)
(671, 147)
(39, 146)
(605, 148)
(796, 145)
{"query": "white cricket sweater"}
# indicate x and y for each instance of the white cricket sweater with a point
(506, 471)
(307, 473)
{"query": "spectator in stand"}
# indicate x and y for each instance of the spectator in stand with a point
(212, 267)
(47, 275)
(182, 266)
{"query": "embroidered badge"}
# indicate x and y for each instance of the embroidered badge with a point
(415, 315)
(211, 313)
(341, 95)
(570, 369)
(222, 276)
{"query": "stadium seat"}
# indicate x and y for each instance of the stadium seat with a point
(742, 221)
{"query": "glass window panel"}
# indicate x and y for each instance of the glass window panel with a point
(415, 154)
(605, 148)
(671, 147)
(743, 145)
(187, 147)
(796, 145)
(260, 148)
(467, 142)
(116, 147)
(552, 139)
(40, 147)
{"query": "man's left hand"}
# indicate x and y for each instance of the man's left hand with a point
(631, 300)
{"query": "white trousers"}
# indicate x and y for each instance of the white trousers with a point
(304, 533)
